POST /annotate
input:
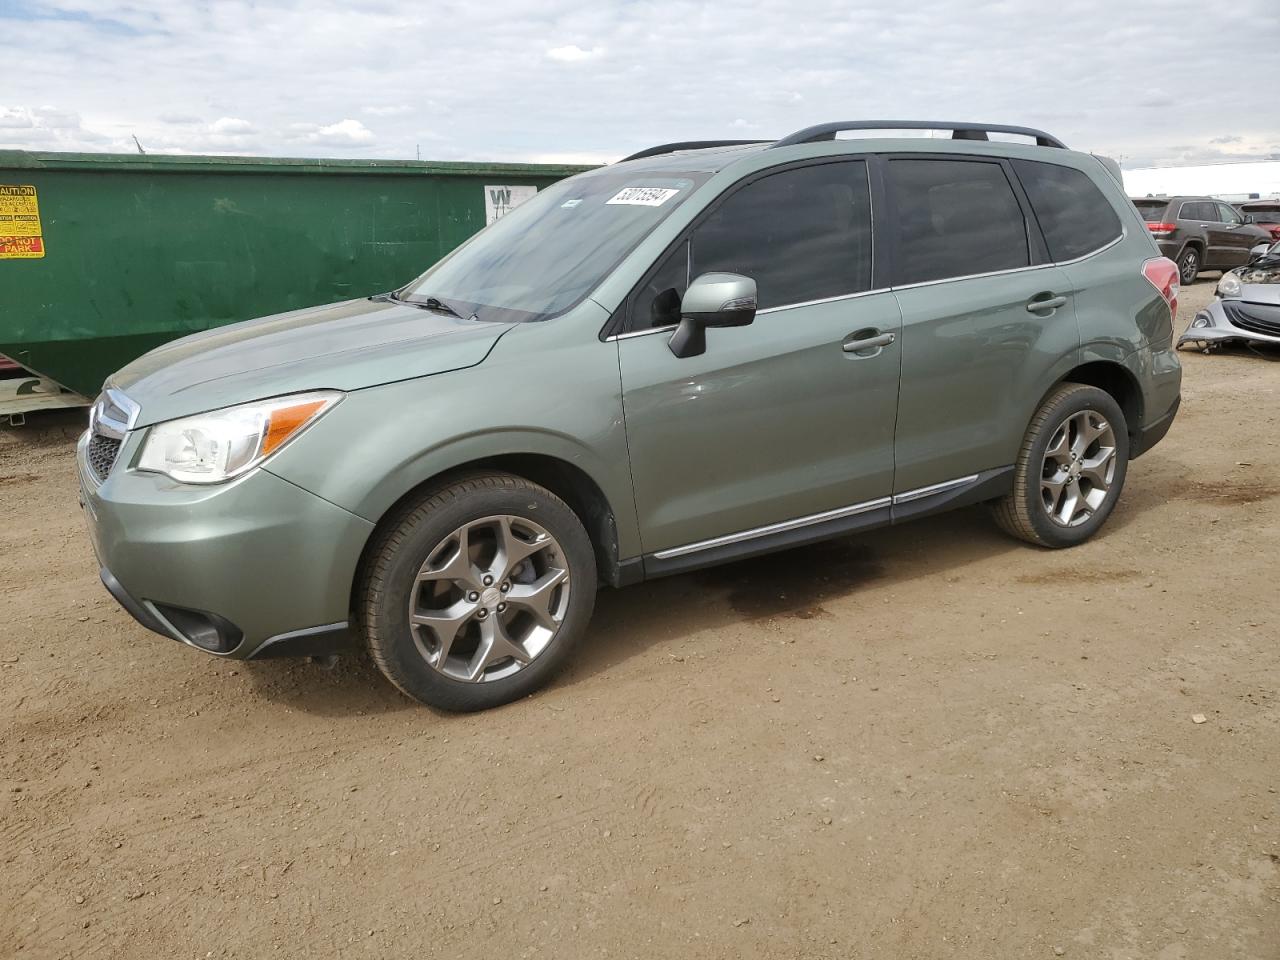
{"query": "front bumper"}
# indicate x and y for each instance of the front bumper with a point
(1226, 321)
(254, 567)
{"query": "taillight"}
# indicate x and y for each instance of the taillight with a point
(1162, 273)
(1160, 229)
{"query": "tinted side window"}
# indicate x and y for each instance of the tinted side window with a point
(1199, 210)
(802, 234)
(1074, 215)
(955, 218)
(1228, 214)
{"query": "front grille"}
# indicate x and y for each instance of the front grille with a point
(1254, 317)
(101, 454)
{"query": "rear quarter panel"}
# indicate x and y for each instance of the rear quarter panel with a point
(1123, 319)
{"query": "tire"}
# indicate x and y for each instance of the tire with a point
(415, 558)
(1043, 463)
(1188, 266)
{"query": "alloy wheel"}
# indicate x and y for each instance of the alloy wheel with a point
(1079, 468)
(1190, 267)
(489, 599)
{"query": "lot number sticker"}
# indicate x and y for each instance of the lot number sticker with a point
(20, 235)
(499, 201)
(643, 196)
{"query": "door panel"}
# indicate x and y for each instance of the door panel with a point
(981, 326)
(973, 357)
(1237, 241)
(775, 421)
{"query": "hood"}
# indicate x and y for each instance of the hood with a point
(1261, 281)
(342, 346)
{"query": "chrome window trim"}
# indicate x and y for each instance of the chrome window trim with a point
(641, 333)
(974, 276)
(810, 303)
(759, 313)
(807, 521)
(1124, 232)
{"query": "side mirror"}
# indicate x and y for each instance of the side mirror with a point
(713, 300)
(1259, 251)
(1248, 218)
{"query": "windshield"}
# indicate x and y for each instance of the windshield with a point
(547, 254)
(1270, 215)
(1152, 210)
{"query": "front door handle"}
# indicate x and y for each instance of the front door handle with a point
(1048, 303)
(868, 343)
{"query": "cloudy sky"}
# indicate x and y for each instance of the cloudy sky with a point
(1148, 82)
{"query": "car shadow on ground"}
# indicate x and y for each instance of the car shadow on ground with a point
(662, 615)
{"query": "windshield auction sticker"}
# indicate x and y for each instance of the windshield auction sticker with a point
(20, 235)
(643, 196)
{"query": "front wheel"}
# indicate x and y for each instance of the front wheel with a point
(476, 594)
(1070, 470)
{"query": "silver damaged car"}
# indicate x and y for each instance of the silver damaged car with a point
(1247, 307)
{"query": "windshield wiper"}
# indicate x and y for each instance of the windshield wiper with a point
(430, 303)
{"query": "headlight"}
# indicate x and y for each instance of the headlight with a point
(1229, 286)
(216, 446)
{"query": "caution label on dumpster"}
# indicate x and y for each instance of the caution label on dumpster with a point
(21, 237)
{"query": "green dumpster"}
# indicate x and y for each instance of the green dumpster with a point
(103, 257)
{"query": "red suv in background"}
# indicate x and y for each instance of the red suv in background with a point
(1265, 213)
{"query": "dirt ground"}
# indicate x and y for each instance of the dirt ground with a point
(929, 741)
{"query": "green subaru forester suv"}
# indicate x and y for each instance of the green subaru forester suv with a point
(704, 352)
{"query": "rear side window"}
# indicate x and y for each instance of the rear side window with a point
(956, 218)
(1152, 210)
(1074, 216)
(802, 234)
(1198, 210)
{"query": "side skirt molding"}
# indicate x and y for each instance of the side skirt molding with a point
(899, 508)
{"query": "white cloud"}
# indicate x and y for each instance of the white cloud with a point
(232, 127)
(390, 111)
(46, 128)
(507, 80)
(574, 53)
(344, 133)
(16, 118)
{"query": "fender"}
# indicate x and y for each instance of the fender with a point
(380, 443)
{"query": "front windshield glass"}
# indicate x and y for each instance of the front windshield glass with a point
(546, 255)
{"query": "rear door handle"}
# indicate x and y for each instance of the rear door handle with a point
(1049, 303)
(868, 343)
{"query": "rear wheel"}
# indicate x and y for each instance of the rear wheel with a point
(477, 594)
(1070, 470)
(1189, 266)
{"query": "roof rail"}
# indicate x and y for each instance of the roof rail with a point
(687, 145)
(959, 131)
